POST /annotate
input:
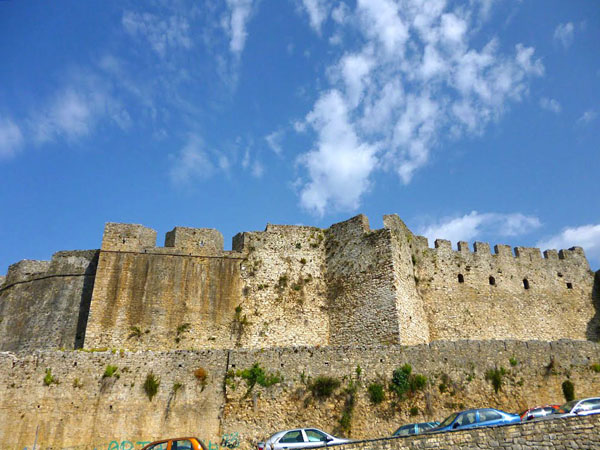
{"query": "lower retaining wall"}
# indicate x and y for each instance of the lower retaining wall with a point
(576, 432)
(64, 400)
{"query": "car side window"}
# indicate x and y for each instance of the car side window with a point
(486, 416)
(466, 419)
(292, 437)
(161, 446)
(315, 436)
(589, 404)
(182, 444)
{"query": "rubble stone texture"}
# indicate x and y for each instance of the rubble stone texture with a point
(347, 302)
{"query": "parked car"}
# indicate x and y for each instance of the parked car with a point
(414, 428)
(185, 443)
(581, 407)
(300, 438)
(473, 418)
(538, 411)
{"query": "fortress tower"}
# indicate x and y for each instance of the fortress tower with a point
(294, 285)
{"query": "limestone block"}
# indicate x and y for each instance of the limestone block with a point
(205, 241)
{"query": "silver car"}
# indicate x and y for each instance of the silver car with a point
(579, 407)
(300, 438)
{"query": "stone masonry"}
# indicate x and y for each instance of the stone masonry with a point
(294, 285)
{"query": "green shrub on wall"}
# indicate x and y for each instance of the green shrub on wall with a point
(323, 386)
(49, 378)
(151, 385)
(568, 389)
(376, 393)
(110, 371)
(495, 377)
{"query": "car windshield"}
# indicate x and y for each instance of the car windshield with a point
(567, 407)
(449, 420)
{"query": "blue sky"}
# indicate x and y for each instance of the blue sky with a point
(476, 120)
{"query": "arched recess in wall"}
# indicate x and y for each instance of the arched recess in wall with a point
(525, 283)
(492, 281)
(461, 278)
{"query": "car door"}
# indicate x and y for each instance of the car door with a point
(467, 419)
(489, 417)
(315, 438)
(291, 440)
(586, 407)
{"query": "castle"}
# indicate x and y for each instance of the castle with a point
(293, 286)
(300, 303)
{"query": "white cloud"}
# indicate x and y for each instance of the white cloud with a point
(414, 80)
(318, 11)
(257, 169)
(274, 141)
(74, 111)
(340, 166)
(586, 236)
(474, 225)
(550, 104)
(563, 34)
(194, 162)
(381, 20)
(235, 23)
(11, 138)
(162, 34)
(587, 117)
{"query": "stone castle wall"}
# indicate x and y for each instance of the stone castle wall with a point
(45, 304)
(297, 285)
(163, 297)
(84, 410)
(577, 432)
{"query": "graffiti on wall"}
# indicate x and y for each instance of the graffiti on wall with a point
(229, 441)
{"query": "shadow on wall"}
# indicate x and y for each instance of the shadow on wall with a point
(593, 328)
(86, 300)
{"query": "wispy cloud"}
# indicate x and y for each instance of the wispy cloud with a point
(163, 34)
(585, 236)
(11, 138)
(192, 162)
(563, 34)
(587, 117)
(550, 104)
(274, 141)
(474, 225)
(414, 79)
(317, 11)
(235, 22)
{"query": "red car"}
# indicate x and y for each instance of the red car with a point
(538, 411)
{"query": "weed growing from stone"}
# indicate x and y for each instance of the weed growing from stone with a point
(596, 368)
(202, 376)
(495, 377)
(151, 385)
(376, 393)
(568, 389)
(256, 375)
(414, 411)
(513, 362)
(323, 386)
(135, 332)
(110, 371)
(49, 378)
(348, 412)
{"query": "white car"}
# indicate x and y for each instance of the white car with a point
(579, 407)
(300, 438)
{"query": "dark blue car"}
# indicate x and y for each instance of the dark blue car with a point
(473, 418)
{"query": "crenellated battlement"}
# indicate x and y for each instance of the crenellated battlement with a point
(303, 285)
